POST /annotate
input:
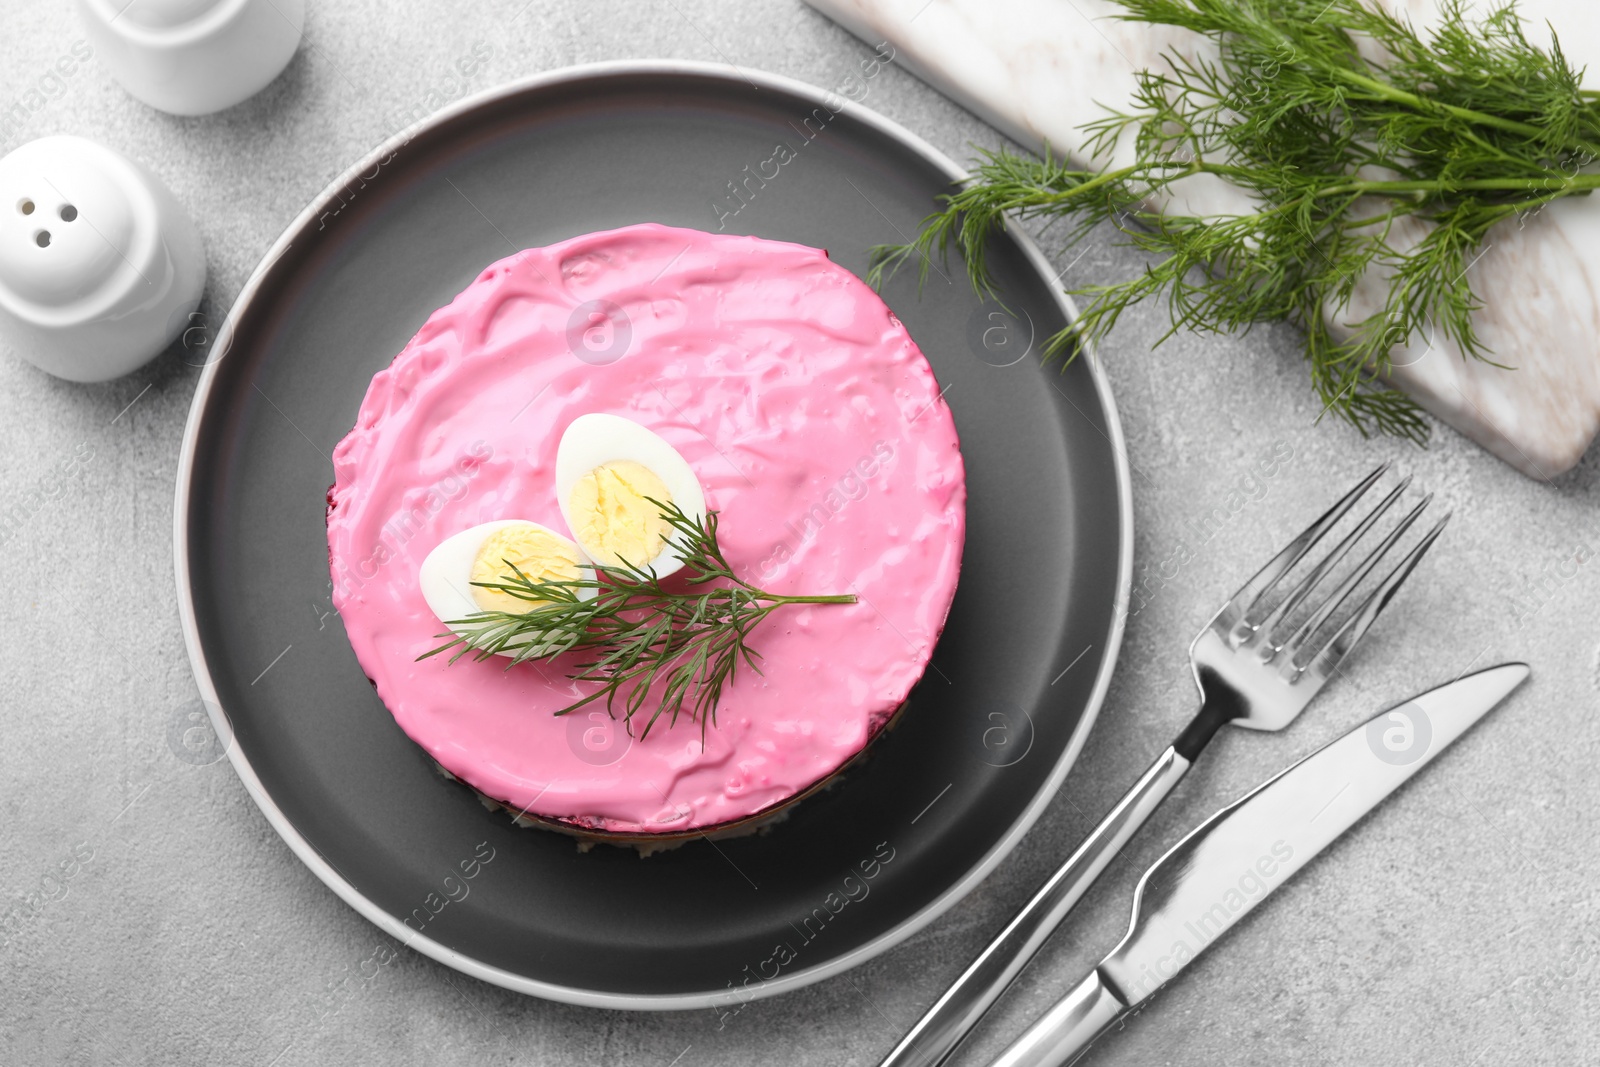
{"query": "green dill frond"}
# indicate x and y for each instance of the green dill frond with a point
(1339, 120)
(644, 641)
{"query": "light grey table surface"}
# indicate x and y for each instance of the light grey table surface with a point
(1455, 926)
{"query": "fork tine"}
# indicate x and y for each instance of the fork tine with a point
(1334, 600)
(1326, 566)
(1356, 627)
(1279, 565)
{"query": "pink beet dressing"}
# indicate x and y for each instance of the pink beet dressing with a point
(817, 430)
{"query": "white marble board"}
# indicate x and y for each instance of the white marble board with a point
(1039, 69)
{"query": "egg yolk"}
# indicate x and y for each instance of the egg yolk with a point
(540, 555)
(611, 517)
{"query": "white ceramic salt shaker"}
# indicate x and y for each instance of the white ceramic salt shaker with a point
(193, 57)
(99, 265)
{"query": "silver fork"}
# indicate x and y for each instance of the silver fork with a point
(1250, 674)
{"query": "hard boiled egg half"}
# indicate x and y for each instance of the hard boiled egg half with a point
(485, 553)
(608, 470)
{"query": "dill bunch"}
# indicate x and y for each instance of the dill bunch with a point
(1460, 130)
(685, 645)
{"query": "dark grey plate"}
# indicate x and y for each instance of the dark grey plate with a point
(986, 738)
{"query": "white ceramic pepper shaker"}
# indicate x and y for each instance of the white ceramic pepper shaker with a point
(99, 265)
(193, 57)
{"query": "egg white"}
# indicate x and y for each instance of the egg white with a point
(596, 439)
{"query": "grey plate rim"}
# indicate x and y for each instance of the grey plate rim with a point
(391, 925)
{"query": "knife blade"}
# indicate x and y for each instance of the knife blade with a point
(1215, 876)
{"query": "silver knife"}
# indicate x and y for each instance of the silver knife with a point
(1215, 876)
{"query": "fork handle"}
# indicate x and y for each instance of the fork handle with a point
(938, 1032)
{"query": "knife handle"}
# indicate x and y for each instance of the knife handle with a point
(938, 1032)
(1063, 1033)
